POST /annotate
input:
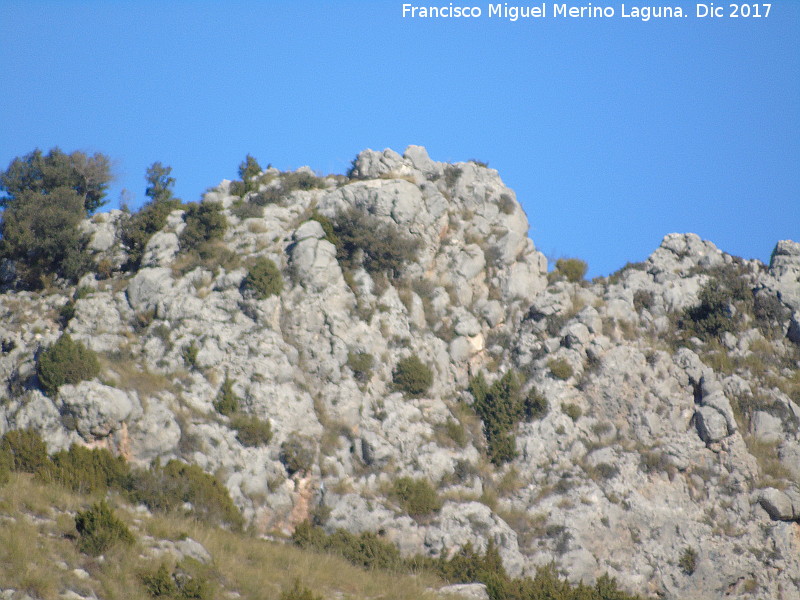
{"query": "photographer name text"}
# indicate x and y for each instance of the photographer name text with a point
(559, 10)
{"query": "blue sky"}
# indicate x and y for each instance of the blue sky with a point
(613, 132)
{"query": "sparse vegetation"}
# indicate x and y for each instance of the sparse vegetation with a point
(464, 566)
(365, 240)
(167, 488)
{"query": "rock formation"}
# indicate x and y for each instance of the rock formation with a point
(663, 433)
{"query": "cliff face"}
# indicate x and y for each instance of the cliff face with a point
(669, 456)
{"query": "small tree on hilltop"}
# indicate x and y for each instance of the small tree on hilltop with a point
(159, 182)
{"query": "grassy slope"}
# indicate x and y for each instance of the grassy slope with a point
(38, 555)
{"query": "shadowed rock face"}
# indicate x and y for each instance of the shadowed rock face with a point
(658, 437)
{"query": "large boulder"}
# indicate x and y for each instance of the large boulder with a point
(97, 410)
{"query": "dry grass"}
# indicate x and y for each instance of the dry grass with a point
(771, 470)
(126, 374)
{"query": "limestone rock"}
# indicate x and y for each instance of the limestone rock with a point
(97, 410)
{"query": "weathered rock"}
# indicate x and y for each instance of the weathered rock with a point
(468, 591)
(777, 504)
(97, 410)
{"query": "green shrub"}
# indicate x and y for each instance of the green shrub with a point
(297, 454)
(360, 364)
(712, 316)
(160, 584)
(264, 279)
(251, 431)
(456, 432)
(24, 450)
(417, 497)
(573, 269)
(412, 376)
(99, 529)
(573, 411)
(536, 405)
(86, 471)
(169, 487)
(299, 180)
(227, 402)
(560, 368)
(366, 240)
(298, 592)
(205, 222)
(66, 361)
(500, 407)
(688, 561)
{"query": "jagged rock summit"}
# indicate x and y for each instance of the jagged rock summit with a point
(659, 437)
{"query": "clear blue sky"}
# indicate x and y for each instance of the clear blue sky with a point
(613, 132)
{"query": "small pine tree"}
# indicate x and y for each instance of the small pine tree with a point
(160, 184)
(227, 402)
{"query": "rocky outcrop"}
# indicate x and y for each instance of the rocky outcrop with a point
(659, 436)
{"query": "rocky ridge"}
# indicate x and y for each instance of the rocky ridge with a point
(658, 440)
